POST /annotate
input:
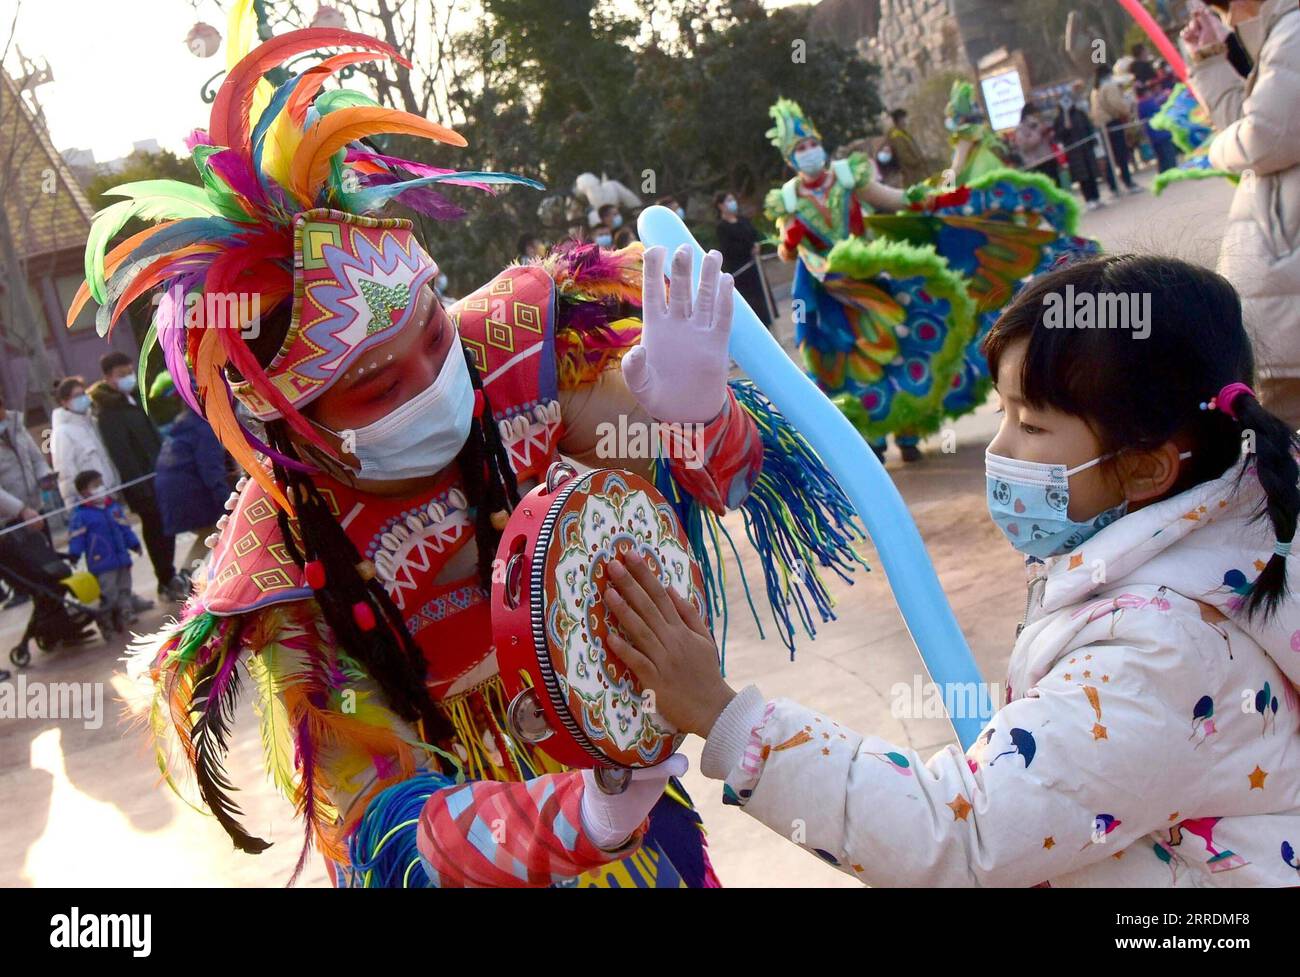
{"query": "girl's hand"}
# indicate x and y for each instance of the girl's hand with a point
(1204, 29)
(670, 649)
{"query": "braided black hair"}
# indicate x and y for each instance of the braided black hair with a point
(490, 485)
(1139, 391)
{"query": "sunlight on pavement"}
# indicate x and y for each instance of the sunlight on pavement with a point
(90, 843)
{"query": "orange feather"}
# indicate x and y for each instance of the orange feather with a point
(316, 76)
(334, 131)
(111, 261)
(155, 272)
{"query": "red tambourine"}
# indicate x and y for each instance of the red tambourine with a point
(569, 692)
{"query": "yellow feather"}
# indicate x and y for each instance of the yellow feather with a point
(241, 35)
(282, 141)
(277, 738)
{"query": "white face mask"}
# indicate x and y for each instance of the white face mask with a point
(811, 160)
(424, 435)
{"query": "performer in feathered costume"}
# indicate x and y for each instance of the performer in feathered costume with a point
(881, 325)
(999, 228)
(895, 290)
(975, 149)
(349, 580)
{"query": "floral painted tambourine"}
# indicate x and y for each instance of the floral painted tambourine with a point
(570, 694)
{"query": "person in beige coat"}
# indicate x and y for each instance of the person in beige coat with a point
(1258, 136)
(1113, 109)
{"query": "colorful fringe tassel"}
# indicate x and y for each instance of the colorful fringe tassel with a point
(796, 515)
(382, 850)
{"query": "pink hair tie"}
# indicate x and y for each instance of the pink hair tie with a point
(1226, 397)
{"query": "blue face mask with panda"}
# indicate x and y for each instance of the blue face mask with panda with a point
(1029, 501)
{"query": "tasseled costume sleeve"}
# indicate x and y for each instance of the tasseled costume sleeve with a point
(795, 514)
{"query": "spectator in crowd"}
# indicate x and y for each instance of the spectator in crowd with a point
(624, 236)
(1257, 131)
(529, 248)
(738, 242)
(22, 470)
(133, 444)
(904, 152)
(75, 441)
(1112, 110)
(673, 204)
(98, 530)
(603, 235)
(610, 216)
(1150, 98)
(1075, 132)
(192, 484)
(1033, 141)
(890, 173)
(1142, 69)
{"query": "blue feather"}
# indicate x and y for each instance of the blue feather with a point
(370, 198)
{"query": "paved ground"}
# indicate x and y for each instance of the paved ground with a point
(84, 807)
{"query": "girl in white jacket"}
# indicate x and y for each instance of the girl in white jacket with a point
(1151, 734)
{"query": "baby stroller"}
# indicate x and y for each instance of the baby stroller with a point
(65, 603)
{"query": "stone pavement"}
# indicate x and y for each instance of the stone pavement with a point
(84, 807)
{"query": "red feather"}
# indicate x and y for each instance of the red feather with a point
(230, 125)
(223, 278)
(315, 77)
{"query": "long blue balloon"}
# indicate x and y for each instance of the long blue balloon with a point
(922, 601)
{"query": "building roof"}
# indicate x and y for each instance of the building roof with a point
(47, 210)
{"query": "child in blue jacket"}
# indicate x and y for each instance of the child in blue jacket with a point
(99, 531)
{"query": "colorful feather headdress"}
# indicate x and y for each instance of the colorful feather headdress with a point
(961, 110)
(792, 127)
(279, 218)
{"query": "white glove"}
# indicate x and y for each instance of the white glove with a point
(678, 371)
(608, 820)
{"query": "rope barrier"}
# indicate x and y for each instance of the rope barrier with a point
(68, 508)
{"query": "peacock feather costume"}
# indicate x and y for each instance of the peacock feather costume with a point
(1188, 123)
(890, 308)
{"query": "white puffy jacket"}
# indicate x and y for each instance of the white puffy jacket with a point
(1259, 131)
(75, 446)
(1151, 735)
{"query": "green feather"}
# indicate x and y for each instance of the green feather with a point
(141, 380)
(218, 193)
(150, 200)
(341, 98)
